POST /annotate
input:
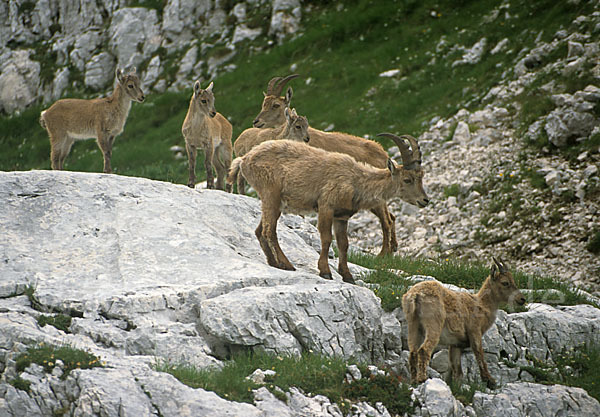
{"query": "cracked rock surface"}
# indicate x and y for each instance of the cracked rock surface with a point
(155, 271)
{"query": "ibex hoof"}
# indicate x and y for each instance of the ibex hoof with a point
(348, 279)
(491, 384)
(191, 185)
(286, 267)
(326, 276)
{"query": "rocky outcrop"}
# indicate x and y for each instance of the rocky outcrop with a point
(152, 271)
(95, 36)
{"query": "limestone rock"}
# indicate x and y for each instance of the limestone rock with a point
(19, 81)
(100, 71)
(133, 34)
(526, 399)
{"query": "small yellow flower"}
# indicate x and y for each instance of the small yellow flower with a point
(78, 363)
(50, 364)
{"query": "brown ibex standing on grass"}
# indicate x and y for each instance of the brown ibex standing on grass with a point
(437, 315)
(363, 150)
(299, 178)
(205, 128)
(294, 128)
(102, 118)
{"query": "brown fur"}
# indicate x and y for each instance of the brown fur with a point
(294, 128)
(204, 128)
(297, 178)
(437, 315)
(363, 150)
(103, 119)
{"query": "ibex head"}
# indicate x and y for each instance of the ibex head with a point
(409, 176)
(204, 100)
(297, 126)
(131, 84)
(272, 111)
(503, 284)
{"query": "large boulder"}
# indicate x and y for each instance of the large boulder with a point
(19, 81)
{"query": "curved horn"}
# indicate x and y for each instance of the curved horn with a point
(275, 86)
(416, 150)
(407, 158)
(501, 267)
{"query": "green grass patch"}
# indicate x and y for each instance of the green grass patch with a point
(373, 36)
(60, 321)
(593, 244)
(47, 355)
(389, 280)
(574, 368)
(20, 383)
(452, 190)
(313, 373)
(464, 392)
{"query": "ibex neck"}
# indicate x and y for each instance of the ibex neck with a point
(487, 297)
(120, 97)
(375, 186)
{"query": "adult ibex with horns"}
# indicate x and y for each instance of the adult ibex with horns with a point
(363, 150)
(303, 179)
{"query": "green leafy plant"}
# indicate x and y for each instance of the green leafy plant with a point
(60, 321)
(47, 355)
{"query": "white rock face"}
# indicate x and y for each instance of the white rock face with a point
(19, 81)
(156, 271)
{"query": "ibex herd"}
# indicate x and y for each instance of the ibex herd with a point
(296, 168)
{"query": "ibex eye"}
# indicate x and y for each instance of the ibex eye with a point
(298, 127)
(203, 101)
(130, 86)
(505, 284)
(408, 181)
(275, 106)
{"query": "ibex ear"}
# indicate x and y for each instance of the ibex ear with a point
(264, 94)
(391, 166)
(210, 87)
(132, 70)
(119, 75)
(197, 87)
(294, 114)
(286, 111)
(288, 95)
(495, 273)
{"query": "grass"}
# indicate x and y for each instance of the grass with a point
(20, 383)
(47, 355)
(60, 321)
(314, 374)
(390, 280)
(593, 244)
(464, 392)
(575, 368)
(373, 36)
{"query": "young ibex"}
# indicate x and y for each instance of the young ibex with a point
(436, 315)
(294, 128)
(204, 127)
(102, 118)
(363, 150)
(300, 178)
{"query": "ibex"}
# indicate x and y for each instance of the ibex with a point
(294, 128)
(70, 119)
(363, 150)
(436, 315)
(205, 128)
(300, 178)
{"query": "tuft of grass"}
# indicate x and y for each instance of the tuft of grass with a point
(47, 355)
(575, 368)
(593, 244)
(464, 392)
(60, 321)
(452, 190)
(20, 383)
(313, 373)
(389, 281)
